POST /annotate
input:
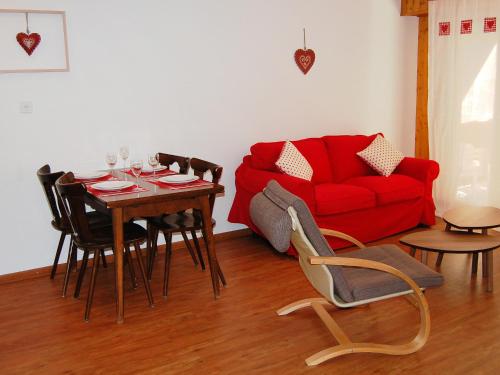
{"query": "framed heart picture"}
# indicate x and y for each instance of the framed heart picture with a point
(33, 41)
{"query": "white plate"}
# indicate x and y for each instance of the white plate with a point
(178, 179)
(149, 169)
(93, 175)
(112, 185)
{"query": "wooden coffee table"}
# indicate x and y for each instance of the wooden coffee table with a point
(471, 218)
(455, 242)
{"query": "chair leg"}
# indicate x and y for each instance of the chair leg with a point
(198, 249)
(69, 265)
(154, 251)
(74, 261)
(138, 255)
(168, 259)
(58, 254)
(81, 274)
(346, 346)
(189, 247)
(149, 240)
(90, 297)
(103, 257)
(130, 264)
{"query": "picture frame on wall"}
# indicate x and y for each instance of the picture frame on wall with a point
(50, 52)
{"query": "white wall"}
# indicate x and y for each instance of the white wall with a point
(205, 78)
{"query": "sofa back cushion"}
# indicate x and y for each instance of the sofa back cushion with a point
(342, 151)
(265, 155)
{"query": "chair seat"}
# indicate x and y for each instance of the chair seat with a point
(185, 221)
(366, 283)
(95, 219)
(103, 235)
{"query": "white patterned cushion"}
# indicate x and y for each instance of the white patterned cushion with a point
(381, 156)
(293, 163)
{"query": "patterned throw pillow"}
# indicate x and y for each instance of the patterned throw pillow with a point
(381, 156)
(293, 163)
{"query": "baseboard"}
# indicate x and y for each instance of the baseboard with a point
(45, 271)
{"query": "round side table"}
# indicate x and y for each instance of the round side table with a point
(472, 218)
(454, 242)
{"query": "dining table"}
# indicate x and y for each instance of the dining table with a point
(150, 198)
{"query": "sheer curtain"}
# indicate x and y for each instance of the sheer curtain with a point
(464, 133)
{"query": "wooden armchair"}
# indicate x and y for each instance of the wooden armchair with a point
(365, 276)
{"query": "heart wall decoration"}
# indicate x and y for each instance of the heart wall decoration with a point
(28, 41)
(304, 58)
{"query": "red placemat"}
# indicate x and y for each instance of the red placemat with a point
(188, 185)
(130, 190)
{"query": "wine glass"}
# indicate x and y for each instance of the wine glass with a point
(124, 153)
(136, 168)
(111, 159)
(153, 162)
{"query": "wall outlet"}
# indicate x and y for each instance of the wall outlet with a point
(26, 107)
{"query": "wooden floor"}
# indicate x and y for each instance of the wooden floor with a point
(191, 333)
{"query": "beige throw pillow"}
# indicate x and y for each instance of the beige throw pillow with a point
(381, 156)
(293, 163)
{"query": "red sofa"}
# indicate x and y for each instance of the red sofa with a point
(345, 194)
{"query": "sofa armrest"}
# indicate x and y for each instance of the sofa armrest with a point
(255, 180)
(423, 170)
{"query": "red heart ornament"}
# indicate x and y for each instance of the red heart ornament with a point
(305, 59)
(29, 41)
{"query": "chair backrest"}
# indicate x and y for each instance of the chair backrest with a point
(168, 160)
(73, 199)
(200, 168)
(48, 180)
(308, 241)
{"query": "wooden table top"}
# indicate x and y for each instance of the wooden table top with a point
(470, 217)
(451, 242)
(154, 193)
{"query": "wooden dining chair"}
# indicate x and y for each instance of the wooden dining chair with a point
(360, 277)
(186, 221)
(60, 220)
(93, 240)
(182, 163)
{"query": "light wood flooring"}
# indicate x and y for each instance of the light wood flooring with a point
(191, 333)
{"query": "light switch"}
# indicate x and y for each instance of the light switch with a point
(26, 107)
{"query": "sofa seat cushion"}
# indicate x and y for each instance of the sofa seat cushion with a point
(393, 189)
(265, 155)
(366, 283)
(337, 198)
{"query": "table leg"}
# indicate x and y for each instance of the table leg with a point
(423, 259)
(484, 260)
(439, 259)
(118, 247)
(413, 251)
(474, 263)
(209, 237)
(490, 270)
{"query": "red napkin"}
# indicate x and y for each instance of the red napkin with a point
(188, 185)
(144, 175)
(92, 181)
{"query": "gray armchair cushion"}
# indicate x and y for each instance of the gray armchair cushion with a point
(367, 283)
(274, 222)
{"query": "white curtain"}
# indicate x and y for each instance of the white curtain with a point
(464, 98)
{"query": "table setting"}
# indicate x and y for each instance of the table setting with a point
(105, 183)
